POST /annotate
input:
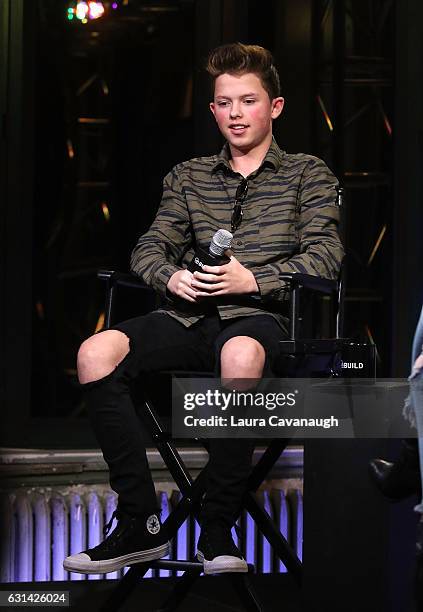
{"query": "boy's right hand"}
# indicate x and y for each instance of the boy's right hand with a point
(180, 285)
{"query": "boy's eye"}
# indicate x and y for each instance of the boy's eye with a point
(249, 101)
(222, 103)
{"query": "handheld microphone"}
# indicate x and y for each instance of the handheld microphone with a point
(215, 256)
(221, 241)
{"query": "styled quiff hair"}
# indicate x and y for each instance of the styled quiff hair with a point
(238, 59)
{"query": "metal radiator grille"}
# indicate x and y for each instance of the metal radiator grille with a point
(41, 526)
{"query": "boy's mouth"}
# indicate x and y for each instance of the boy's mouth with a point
(238, 127)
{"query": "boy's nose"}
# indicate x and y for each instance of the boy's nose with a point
(235, 110)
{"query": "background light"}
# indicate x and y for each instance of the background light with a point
(89, 10)
(96, 10)
(81, 10)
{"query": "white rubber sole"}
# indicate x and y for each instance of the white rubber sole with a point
(82, 564)
(223, 564)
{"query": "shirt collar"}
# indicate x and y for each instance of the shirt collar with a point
(273, 157)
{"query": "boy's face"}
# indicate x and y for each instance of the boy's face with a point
(243, 110)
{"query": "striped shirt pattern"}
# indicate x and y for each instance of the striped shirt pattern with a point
(289, 224)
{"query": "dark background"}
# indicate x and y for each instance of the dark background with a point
(94, 115)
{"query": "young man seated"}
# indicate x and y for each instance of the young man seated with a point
(281, 209)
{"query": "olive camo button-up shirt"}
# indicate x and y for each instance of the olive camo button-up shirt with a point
(289, 224)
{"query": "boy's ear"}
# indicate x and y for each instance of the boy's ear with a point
(212, 108)
(277, 107)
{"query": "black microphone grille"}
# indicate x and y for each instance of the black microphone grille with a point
(221, 241)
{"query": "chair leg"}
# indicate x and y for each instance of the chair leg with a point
(246, 593)
(266, 462)
(124, 588)
(274, 537)
(180, 590)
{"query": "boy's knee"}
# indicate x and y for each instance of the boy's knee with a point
(100, 354)
(242, 357)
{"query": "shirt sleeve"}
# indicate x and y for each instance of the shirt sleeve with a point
(320, 250)
(158, 252)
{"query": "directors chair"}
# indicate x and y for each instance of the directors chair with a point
(311, 356)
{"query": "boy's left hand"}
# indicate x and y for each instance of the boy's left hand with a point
(231, 278)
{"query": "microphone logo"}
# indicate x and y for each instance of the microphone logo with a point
(198, 261)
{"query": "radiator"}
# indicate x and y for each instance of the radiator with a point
(41, 526)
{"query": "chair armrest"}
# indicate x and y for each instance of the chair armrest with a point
(114, 279)
(296, 279)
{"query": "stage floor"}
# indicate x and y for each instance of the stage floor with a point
(209, 594)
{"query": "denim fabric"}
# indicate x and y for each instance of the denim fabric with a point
(416, 394)
(418, 340)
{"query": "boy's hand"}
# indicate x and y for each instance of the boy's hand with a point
(180, 284)
(231, 278)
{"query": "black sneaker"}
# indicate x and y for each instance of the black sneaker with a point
(134, 540)
(217, 551)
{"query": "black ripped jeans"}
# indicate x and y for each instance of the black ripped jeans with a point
(159, 342)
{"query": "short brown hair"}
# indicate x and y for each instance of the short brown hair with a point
(236, 58)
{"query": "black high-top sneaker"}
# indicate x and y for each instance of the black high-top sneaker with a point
(217, 551)
(135, 539)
